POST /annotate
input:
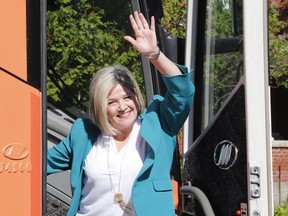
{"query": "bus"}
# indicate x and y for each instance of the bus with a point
(226, 163)
(22, 115)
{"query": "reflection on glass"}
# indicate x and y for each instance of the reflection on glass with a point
(223, 60)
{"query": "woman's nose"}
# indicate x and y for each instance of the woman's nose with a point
(122, 105)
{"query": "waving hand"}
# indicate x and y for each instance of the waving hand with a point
(145, 42)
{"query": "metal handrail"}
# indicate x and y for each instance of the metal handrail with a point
(201, 197)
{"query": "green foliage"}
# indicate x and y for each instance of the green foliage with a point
(278, 48)
(281, 210)
(222, 18)
(81, 40)
(174, 19)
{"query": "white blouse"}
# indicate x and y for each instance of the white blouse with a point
(107, 171)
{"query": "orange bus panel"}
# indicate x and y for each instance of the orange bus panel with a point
(13, 48)
(20, 145)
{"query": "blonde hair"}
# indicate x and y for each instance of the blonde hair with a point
(101, 85)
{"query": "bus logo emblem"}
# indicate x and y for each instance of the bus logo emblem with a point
(15, 151)
(225, 154)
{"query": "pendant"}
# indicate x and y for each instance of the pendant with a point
(118, 197)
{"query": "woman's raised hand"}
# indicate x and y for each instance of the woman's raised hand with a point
(145, 41)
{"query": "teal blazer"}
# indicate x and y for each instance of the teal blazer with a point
(161, 122)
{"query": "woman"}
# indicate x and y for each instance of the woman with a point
(120, 159)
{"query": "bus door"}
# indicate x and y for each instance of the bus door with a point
(227, 141)
(21, 119)
(62, 113)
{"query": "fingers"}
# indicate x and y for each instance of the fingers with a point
(138, 21)
(144, 35)
(133, 23)
(143, 22)
(130, 39)
(152, 26)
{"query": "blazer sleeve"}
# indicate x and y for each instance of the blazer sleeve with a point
(59, 156)
(178, 100)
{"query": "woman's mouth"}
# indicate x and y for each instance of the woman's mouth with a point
(123, 115)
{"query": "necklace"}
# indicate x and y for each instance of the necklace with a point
(118, 196)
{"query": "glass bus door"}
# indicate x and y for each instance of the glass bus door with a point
(227, 150)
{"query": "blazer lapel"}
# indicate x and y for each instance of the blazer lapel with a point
(150, 131)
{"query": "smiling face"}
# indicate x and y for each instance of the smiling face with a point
(122, 109)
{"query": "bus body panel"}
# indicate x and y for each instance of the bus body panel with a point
(13, 37)
(216, 163)
(20, 116)
(20, 157)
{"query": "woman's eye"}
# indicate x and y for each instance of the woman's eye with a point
(111, 103)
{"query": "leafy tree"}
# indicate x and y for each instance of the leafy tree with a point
(278, 48)
(174, 19)
(82, 38)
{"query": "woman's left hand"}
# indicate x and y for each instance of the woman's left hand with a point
(146, 40)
